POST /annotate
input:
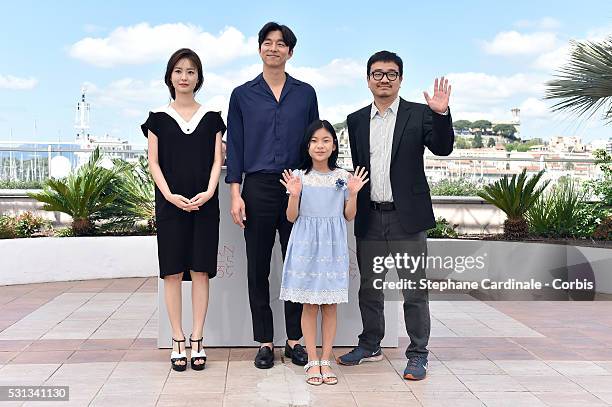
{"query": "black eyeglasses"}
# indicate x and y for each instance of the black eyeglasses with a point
(391, 75)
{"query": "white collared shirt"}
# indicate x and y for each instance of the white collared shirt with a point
(381, 143)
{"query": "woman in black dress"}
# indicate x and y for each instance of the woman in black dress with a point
(184, 144)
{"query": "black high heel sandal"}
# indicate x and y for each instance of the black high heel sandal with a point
(178, 356)
(198, 355)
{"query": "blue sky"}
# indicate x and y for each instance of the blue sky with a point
(497, 54)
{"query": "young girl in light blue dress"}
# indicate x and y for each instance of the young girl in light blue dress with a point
(322, 197)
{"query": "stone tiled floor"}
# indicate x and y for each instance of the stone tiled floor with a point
(98, 337)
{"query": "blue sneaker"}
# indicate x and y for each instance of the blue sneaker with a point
(359, 355)
(416, 369)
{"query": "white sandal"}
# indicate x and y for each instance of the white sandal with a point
(176, 357)
(328, 378)
(311, 376)
(198, 355)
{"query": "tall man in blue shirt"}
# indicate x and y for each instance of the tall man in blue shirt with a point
(266, 122)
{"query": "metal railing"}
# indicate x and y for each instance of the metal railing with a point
(22, 164)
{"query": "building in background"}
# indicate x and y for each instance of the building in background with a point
(37, 160)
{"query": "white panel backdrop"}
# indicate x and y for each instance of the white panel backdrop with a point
(228, 322)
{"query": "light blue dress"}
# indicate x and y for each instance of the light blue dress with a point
(316, 268)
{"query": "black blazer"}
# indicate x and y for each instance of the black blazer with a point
(416, 127)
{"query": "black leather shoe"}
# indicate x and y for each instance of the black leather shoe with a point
(298, 354)
(264, 358)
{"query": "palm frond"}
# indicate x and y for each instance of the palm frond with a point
(514, 196)
(584, 84)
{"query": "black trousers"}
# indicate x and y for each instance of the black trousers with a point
(386, 236)
(265, 200)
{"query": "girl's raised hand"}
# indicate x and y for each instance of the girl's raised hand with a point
(293, 183)
(357, 180)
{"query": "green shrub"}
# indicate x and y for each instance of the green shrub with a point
(590, 216)
(27, 224)
(455, 187)
(64, 232)
(102, 200)
(84, 194)
(603, 231)
(462, 143)
(554, 214)
(24, 225)
(6, 184)
(564, 212)
(602, 188)
(135, 199)
(443, 229)
(7, 227)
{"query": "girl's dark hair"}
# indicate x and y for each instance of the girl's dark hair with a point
(177, 56)
(288, 35)
(332, 161)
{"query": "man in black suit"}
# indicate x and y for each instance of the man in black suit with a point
(394, 209)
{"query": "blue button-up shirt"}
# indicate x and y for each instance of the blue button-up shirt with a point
(264, 135)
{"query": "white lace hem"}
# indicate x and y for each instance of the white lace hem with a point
(303, 296)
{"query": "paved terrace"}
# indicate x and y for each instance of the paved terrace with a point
(98, 337)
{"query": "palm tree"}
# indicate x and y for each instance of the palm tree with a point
(514, 198)
(84, 194)
(135, 200)
(584, 84)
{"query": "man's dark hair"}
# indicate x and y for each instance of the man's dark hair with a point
(288, 35)
(174, 59)
(386, 56)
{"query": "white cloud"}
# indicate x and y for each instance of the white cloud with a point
(481, 89)
(514, 43)
(132, 113)
(15, 83)
(548, 51)
(223, 83)
(534, 108)
(600, 33)
(128, 95)
(132, 97)
(218, 103)
(339, 72)
(554, 59)
(143, 43)
(478, 95)
(337, 113)
(545, 23)
(494, 115)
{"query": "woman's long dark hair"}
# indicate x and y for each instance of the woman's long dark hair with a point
(332, 161)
